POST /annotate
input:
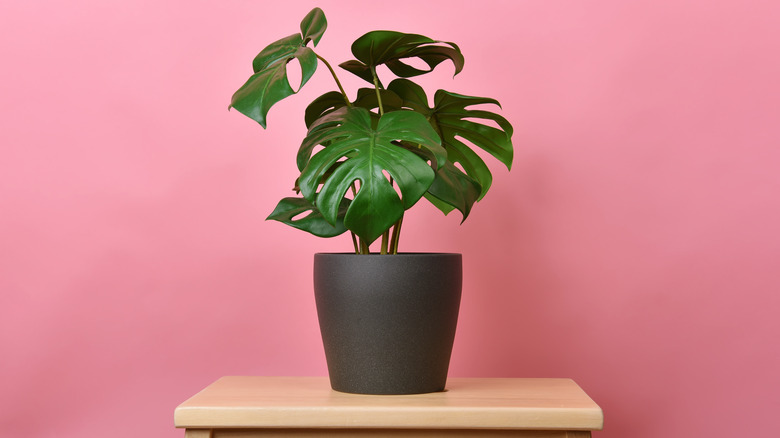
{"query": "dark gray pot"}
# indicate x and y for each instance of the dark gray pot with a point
(388, 321)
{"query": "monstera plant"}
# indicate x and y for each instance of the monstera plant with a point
(365, 161)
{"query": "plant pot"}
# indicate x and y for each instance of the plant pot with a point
(388, 321)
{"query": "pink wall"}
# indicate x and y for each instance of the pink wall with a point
(634, 247)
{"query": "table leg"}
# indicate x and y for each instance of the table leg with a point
(198, 433)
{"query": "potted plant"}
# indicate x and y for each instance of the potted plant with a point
(387, 318)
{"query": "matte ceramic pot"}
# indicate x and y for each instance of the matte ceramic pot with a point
(388, 321)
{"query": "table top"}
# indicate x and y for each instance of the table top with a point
(467, 403)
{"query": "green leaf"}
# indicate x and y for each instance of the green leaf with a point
(319, 134)
(453, 121)
(455, 189)
(313, 26)
(364, 152)
(280, 51)
(431, 55)
(269, 84)
(451, 115)
(366, 98)
(322, 105)
(391, 48)
(441, 205)
(313, 222)
(360, 70)
(451, 188)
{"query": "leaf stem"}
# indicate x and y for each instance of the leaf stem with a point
(396, 236)
(376, 87)
(355, 242)
(386, 234)
(383, 249)
(358, 246)
(336, 78)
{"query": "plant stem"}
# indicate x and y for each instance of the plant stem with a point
(355, 243)
(354, 238)
(333, 73)
(396, 236)
(383, 249)
(376, 87)
(386, 234)
(364, 247)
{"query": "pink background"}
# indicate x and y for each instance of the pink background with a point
(634, 247)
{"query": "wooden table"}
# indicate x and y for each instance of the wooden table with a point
(242, 407)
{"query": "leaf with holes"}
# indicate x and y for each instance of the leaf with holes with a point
(392, 48)
(365, 153)
(453, 121)
(289, 211)
(269, 84)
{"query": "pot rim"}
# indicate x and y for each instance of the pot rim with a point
(400, 253)
(413, 254)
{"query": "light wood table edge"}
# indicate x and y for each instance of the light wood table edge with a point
(383, 433)
(236, 421)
